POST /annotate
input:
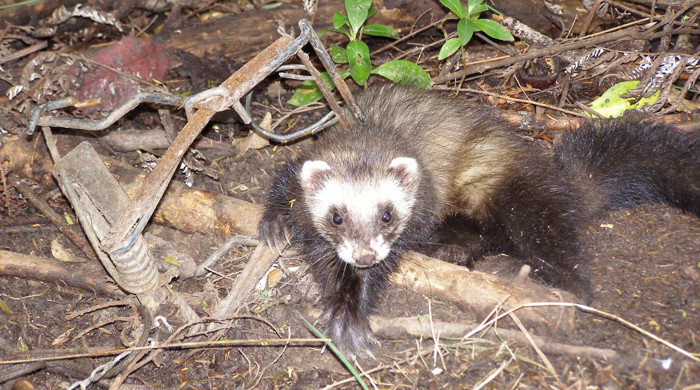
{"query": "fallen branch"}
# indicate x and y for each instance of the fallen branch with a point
(260, 261)
(126, 141)
(481, 292)
(400, 327)
(630, 33)
(195, 211)
(89, 276)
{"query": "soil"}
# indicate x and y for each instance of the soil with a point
(645, 266)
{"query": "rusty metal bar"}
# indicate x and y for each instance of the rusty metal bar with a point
(239, 84)
(330, 99)
(327, 62)
(328, 120)
(96, 125)
(133, 220)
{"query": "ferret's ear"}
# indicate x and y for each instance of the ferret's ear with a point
(312, 175)
(406, 170)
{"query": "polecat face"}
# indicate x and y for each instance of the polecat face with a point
(361, 217)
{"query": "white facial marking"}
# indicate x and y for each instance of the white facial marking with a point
(310, 171)
(381, 247)
(345, 252)
(362, 200)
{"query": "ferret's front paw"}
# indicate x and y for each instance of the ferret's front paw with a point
(273, 231)
(351, 334)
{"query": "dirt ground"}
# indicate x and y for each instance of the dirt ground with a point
(645, 268)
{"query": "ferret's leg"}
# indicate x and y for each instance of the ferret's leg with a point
(541, 216)
(348, 301)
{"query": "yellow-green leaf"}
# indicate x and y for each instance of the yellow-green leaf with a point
(611, 104)
(171, 260)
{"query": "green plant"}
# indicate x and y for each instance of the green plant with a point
(337, 353)
(356, 54)
(468, 23)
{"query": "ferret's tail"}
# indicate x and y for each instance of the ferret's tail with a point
(622, 162)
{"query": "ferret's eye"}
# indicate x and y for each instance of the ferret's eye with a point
(337, 219)
(386, 217)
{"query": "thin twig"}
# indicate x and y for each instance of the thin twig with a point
(406, 37)
(601, 313)
(516, 100)
(56, 219)
(23, 52)
(630, 33)
(185, 345)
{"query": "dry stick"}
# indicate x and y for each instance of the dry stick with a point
(516, 100)
(4, 189)
(102, 352)
(601, 313)
(589, 18)
(223, 249)
(23, 52)
(260, 261)
(399, 327)
(388, 327)
(375, 369)
(652, 16)
(534, 345)
(88, 276)
(494, 374)
(625, 34)
(168, 125)
(411, 35)
(529, 35)
(56, 219)
(663, 4)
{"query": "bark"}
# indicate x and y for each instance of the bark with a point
(481, 292)
(89, 276)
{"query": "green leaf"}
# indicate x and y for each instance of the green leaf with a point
(371, 11)
(357, 14)
(611, 104)
(465, 30)
(449, 48)
(309, 92)
(473, 3)
(493, 29)
(404, 72)
(455, 6)
(339, 20)
(358, 58)
(474, 12)
(338, 54)
(380, 30)
(341, 30)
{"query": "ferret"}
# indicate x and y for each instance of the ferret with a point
(360, 198)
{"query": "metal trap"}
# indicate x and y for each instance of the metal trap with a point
(112, 221)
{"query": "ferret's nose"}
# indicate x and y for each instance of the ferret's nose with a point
(364, 257)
